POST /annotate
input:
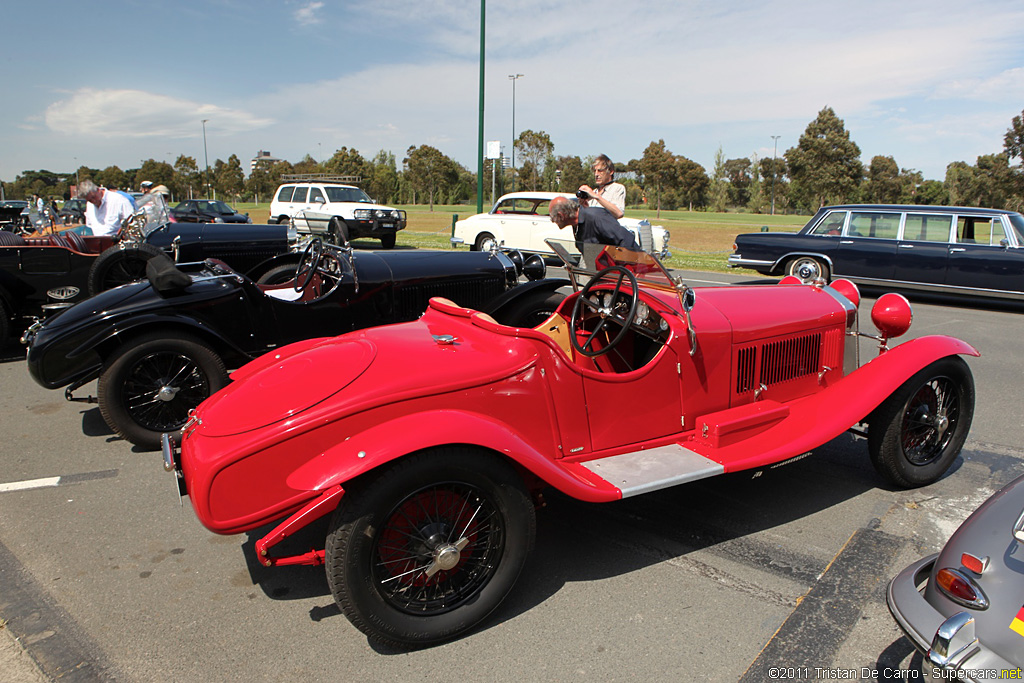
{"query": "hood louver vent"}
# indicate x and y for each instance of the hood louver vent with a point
(783, 360)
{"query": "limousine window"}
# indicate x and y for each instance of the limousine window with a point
(832, 224)
(923, 227)
(1017, 222)
(874, 224)
(979, 230)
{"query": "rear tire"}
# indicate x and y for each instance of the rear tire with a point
(808, 269)
(119, 265)
(531, 310)
(916, 433)
(424, 550)
(150, 384)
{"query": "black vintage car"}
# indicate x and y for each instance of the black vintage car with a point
(944, 249)
(13, 213)
(160, 347)
(207, 211)
(46, 273)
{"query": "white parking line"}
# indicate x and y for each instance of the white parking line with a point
(30, 484)
(48, 482)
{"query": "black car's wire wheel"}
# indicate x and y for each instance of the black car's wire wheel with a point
(152, 382)
(426, 549)
(918, 431)
(119, 265)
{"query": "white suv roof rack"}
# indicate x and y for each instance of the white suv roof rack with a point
(319, 178)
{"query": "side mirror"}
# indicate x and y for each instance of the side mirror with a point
(318, 200)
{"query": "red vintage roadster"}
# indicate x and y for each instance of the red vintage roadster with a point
(427, 441)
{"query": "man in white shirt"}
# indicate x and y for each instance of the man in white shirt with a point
(608, 195)
(104, 210)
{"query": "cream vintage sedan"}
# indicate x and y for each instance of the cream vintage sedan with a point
(519, 220)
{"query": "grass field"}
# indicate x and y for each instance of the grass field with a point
(700, 241)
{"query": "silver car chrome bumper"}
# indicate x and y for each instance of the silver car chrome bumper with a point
(948, 644)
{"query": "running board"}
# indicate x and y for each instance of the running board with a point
(653, 469)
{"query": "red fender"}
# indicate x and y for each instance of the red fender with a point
(383, 443)
(819, 418)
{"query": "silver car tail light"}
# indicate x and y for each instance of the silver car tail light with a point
(960, 588)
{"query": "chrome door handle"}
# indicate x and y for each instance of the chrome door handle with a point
(906, 246)
(956, 249)
(845, 241)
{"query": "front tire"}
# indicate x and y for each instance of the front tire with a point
(483, 242)
(337, 231)
(388, 241)
(808, 269)
(916, 433)
(151, 383)
(426, 549)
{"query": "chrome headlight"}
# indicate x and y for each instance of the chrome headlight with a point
(292, 233)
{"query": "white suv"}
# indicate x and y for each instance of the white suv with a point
(336, 211)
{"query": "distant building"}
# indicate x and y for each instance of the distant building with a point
(262, 158)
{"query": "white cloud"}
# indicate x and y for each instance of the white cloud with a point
(139, 114)
(309, 15)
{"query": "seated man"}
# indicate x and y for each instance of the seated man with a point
(589, 225)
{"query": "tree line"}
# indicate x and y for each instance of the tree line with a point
(824, 167)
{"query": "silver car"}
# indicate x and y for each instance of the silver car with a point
(964, 607)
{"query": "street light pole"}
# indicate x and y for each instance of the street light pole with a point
(514, 78)
(774, 151)
(207, 158)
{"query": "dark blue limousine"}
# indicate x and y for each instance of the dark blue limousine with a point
(944, 249)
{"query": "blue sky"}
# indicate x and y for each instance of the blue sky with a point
(118, 82)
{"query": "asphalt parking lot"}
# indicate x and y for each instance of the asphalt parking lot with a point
(741, 577)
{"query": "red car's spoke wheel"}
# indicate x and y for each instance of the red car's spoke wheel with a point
(151, 383)
(918, 431)
(430, 546)
(437, 548)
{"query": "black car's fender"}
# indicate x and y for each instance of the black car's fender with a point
(508, 307)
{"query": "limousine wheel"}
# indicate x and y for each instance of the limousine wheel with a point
(916, 434)
(422, 551)
(807, 269)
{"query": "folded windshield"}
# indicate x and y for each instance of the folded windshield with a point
(583, 261)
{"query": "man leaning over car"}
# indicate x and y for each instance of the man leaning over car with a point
(104, 209)
(589, 225)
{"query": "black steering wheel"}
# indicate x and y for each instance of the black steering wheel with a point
(607, 305)
(309, 262)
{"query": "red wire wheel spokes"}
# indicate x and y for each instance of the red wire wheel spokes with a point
(437, 548)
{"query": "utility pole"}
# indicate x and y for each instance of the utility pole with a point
(514, 78)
